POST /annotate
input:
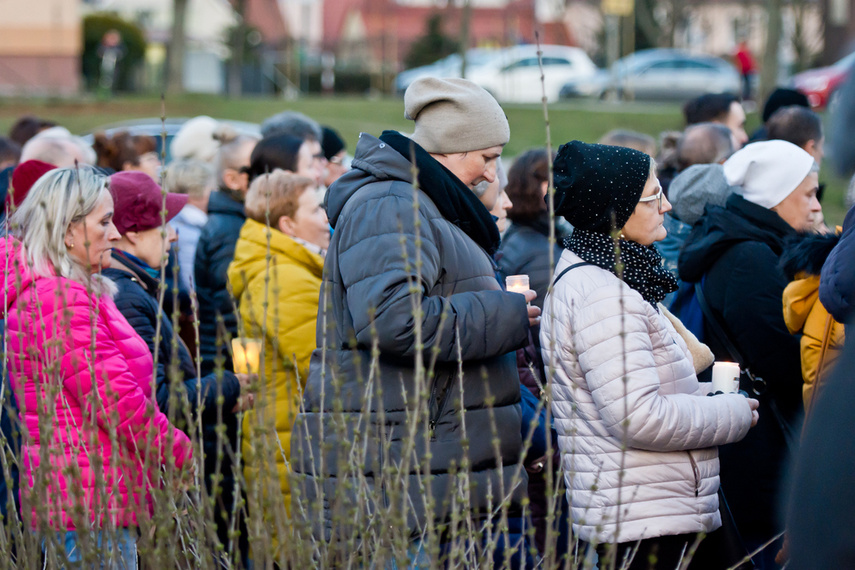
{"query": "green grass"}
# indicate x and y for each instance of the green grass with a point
(586, 121)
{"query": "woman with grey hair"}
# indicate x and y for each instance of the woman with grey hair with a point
(91, 432)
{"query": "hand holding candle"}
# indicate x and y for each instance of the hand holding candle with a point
(517, 283)
(520, 284)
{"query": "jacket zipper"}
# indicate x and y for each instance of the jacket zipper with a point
(697, 473)
(437, 402)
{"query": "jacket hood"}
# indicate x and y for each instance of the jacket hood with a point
(806, 253)
(373, 161)
(799, 298)
(17, 274)
(691, 190)
(722, 228)
(221, 203)
(250, 259)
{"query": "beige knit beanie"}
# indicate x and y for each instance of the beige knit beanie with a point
(454, 115)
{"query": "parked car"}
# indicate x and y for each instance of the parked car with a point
(658, 74)
(822, 85)
(156, 128)
(514, 74)
(448, 66)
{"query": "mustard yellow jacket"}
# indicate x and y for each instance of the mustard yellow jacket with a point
(803, 312)
(289, 284)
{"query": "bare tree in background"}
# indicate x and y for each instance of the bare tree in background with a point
(659, 32)
(177, 44)
(769, 71)
(466, 15)
(238, 41)
(806, 43)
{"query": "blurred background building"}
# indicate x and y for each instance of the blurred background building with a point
(291, 46)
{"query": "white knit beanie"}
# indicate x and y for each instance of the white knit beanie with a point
(765, 173)
(454, 115)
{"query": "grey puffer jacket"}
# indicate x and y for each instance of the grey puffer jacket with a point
(368, 295)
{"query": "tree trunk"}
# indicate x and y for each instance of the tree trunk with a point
(651, 32)
(175, 61)
(464, 35)
(238, 41)
(769, 72)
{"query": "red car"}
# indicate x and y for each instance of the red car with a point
(821, 84)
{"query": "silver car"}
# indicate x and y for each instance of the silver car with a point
(658, 75)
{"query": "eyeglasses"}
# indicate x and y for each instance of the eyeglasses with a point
(658, 197)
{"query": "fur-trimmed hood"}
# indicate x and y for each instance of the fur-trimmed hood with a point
(806, 253)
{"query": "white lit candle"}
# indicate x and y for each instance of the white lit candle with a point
(246, 353)
(517, 283)
(725, 377)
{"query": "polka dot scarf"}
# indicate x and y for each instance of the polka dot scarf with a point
(642, 267)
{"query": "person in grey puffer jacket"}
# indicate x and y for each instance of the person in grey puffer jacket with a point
(399, 259)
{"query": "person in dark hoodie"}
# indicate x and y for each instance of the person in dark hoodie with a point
(735, 252)
(136, 270)
(403, 259)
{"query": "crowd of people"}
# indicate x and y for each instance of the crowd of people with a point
(372, 293)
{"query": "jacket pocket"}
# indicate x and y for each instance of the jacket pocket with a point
(696, 472)
(439, 393)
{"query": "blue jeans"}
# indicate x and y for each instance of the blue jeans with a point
(418, 558)
(125, 557)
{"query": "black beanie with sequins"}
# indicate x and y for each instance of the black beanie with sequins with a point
(594, 181)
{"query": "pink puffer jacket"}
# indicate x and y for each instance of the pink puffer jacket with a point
(75, 361)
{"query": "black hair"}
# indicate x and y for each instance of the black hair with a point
(709, 107)
(272, 152)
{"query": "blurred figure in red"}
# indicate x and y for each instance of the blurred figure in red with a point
(747, 67)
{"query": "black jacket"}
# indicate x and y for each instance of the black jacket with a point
(215, 251)
(737, 251)
(368, 295)
(525, 250)
(136, 299)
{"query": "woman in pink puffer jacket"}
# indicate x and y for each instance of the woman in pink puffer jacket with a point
(93, 440)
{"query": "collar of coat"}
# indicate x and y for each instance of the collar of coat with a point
(123, 262)
(455, 201)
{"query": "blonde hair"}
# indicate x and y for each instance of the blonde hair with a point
(61, 197)
(189, 176)
(231, 143)
(274, 195)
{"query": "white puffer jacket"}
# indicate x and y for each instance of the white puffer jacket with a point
(640, 389)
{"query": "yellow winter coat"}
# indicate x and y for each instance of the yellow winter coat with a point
(804, 313)
(290, 286)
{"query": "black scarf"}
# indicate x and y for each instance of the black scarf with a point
(642, 265)
(455, 201)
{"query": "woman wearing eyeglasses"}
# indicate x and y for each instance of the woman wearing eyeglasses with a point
(637, 433)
